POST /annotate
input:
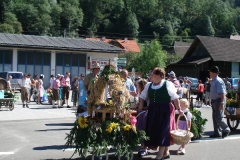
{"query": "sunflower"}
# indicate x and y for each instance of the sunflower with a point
(82, 122)
(127, 127)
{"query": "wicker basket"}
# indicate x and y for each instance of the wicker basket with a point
(181, 137)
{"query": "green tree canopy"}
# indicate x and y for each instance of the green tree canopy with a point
(151, 56)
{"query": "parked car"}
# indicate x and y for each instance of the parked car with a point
(194, 85)
(16, 78)
(234, 82)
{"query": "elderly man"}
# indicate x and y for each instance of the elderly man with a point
(129, 84)
(218, 99)
(91, 76)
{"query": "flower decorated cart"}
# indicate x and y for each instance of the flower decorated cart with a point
(232, 112)
(109, 123)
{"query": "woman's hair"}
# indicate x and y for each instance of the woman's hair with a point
(184, 101)
(75, 78)
(159, 71)
(141, 84)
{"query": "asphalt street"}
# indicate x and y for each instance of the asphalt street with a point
(38, 133)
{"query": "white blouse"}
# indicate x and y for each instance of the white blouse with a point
(172, 91)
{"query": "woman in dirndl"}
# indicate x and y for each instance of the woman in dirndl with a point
(159, 93)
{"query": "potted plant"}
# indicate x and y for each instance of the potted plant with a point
(198, 123)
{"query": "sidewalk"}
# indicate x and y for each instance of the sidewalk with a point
(36, 111)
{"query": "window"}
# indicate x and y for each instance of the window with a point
(21, 57)
(67, 59)
(59, 59)
(8, 57)
(38, 58)
(82, 60)
(30, 57)
(75, 59)
(47, 58)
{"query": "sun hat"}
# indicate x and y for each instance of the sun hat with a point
(95, 65)
(172, 74)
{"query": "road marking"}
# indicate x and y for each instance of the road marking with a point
(6, 153)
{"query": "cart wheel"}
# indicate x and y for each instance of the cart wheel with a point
(232, 123)
(11, 106)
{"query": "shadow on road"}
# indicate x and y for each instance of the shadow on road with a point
(54, 147)
(59, 124)
(58, 129)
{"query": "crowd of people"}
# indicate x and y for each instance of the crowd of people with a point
(159, 100)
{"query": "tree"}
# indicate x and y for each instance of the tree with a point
(129, 24)
(234, 31)
(55, 28)
(27, 14)
(72, 16)
(6, 28)
(209, 29)
(10, 18)
(151, 56)
(43, 21)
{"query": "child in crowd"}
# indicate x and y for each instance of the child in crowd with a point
(182, 121)
(142, 116)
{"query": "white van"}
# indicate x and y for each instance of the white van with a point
(16, 78)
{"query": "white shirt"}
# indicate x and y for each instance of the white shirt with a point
(26, 83)
(189, 114)
(172, 91)
(51, 82)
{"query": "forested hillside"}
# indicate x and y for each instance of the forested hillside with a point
(167, 20)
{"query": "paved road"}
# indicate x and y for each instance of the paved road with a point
(38, 133)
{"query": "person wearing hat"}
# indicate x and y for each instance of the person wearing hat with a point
(91, 76)
(173, 79)
(218, 100)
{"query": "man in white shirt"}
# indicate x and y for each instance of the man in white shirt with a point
(25, 86)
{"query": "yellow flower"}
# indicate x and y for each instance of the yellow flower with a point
(109, 129)
(113, 125)
(82, 121)
(127, 127)
(110, 102)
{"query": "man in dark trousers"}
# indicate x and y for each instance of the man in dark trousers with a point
(218, 99)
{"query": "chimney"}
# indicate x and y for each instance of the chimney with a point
(125, 39)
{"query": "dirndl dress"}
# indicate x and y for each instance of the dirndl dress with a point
(158, 119)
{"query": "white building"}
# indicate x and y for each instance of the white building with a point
(37, 55)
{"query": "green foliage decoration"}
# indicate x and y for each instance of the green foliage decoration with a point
(198, 123)
(89, 136)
